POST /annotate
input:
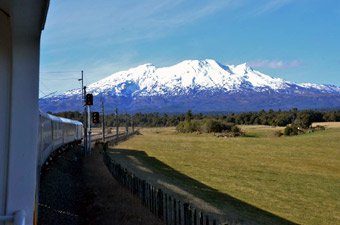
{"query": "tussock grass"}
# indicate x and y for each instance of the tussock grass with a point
(296, 178)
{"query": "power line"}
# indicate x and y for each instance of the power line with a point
(41, 92)
(50, 92)
(69, 78)
(70, 71)
(45, 86)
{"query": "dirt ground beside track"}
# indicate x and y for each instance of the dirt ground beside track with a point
(108, 202)
(77, 191)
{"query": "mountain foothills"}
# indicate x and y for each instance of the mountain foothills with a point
(200, 85)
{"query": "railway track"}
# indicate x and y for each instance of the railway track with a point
(98, 137)
(112, 138)
(64, 195)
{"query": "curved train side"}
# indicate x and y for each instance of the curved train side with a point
(55, 132)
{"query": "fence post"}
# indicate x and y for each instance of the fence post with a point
(185, 210)
(201, 218)
(195, 216)
(166, 209)
(181, 208)
(154, 201)
(151, 198)
(189, 215)
(175, 211)
(160, 203)
(170, 209)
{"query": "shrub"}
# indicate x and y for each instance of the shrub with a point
(215, 126)
(195, 126)
(235, 129)
(208, 126)
(189, 126)
(181, 127)
(291, 130)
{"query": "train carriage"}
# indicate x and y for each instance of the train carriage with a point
(54, 132)
(45, 137)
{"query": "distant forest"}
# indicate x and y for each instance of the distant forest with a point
(273, 118)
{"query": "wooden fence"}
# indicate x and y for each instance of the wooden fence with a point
(172, 210)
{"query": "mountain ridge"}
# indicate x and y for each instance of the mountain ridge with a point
(159, 88)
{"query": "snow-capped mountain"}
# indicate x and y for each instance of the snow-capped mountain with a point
(201, 85)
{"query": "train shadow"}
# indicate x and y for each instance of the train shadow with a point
(159, 173)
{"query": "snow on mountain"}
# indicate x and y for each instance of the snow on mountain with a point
(148, 80)
(149, 86)
(322, 87)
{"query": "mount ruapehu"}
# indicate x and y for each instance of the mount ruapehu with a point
(199, 85)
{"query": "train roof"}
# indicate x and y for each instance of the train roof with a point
(60, 119)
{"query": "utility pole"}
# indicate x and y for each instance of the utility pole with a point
(83, 93)
(89, 128)
(126, 124)
(117, 125)
(82, 85)
(88, 103)
(103, 122)
(132, 124)
(85, 122)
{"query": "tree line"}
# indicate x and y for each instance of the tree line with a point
(302, 118)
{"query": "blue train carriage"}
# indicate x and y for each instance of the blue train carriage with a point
(55, 132)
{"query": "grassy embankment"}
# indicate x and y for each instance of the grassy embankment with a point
(296, 178)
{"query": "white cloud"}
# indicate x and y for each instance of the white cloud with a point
(276, 64)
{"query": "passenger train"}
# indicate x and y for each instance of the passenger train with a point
(55, 132)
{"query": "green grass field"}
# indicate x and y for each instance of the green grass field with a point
(296, 178)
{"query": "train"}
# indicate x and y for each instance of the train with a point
(55, 132)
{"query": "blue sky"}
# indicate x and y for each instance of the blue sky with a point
(297, 40)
